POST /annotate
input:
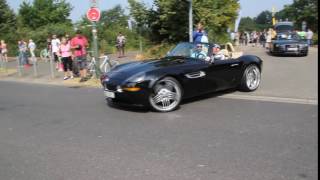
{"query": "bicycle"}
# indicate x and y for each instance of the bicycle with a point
(106, 65)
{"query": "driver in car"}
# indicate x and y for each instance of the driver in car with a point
(199, 53)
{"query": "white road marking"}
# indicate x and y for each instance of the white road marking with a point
(271, 99)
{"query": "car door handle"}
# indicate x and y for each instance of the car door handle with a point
(232, 65)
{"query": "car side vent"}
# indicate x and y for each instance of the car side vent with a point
(194, 75)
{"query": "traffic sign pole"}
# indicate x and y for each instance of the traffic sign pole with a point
(95, 47)
(93, 15)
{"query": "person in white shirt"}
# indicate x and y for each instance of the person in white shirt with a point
(32, 48)
(309, 37)
(55, 44)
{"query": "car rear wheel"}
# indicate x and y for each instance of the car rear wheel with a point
(166, 95)
(251, 78)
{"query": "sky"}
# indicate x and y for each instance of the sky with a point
(249, 8)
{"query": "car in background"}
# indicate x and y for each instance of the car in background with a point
(289, 44)
(188, 70)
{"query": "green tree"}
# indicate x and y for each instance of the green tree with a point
(114, 16)
(247, 24)
(168, 19)
(217, 16)
(7, 25)
(7, 18)
(44, 12)
(265, 17)
(299, 11)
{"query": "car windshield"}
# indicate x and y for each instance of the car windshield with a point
(291, 36)
(190, 50)
(284, 28)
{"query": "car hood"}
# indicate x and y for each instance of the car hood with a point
(131, 70)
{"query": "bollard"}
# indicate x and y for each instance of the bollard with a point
(19, 66)
(35, 66)
(51, 66)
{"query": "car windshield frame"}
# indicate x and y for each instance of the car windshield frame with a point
(187, 49)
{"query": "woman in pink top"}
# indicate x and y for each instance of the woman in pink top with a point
(4, 50)
(65, 53)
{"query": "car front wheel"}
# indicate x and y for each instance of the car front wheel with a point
(251, 78)
(166, 95)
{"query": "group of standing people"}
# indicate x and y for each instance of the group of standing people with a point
(23, 48)
(70, 55)
(264, 38)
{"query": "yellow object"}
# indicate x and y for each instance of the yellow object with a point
(132, 89)
(273, 18)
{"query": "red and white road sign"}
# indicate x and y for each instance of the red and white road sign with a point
(93, 14)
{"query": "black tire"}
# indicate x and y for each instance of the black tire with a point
(166, 95)
(248, 84)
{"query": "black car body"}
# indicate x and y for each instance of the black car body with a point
(289, 44)
(135, 82)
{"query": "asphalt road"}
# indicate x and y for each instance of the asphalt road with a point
(287, 76)
(60, 133)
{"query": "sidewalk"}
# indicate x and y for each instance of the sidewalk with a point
(44, 75)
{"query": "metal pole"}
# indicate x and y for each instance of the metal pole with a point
(140, 41)
(190, 22)
(35, 68)
(95, 48)
(19, 66)
(51, 65)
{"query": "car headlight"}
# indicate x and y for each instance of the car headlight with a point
(276, 45)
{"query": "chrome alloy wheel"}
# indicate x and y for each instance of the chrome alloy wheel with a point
(166, 96)
(253, 77)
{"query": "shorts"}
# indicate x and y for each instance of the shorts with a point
(81, 62)
(55, 57)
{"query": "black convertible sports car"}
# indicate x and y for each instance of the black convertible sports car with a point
(289, 43)
(188, 70)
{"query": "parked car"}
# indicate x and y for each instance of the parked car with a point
(163, 83)
(289, 44)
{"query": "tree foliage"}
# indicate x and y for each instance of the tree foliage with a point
(168, 19)
(247, 24)
(112, 22)
(299, 11)
(44, 12)
(7, 23)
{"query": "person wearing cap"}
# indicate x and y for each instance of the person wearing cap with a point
(79, 43)
(216, 52)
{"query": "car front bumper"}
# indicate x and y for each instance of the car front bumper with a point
(290, 50)
(121, 97)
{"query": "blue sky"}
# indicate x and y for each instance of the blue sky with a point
(248, 7)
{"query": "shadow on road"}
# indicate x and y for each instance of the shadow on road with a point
(144, 109)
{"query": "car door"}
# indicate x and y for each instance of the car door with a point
(222, 74)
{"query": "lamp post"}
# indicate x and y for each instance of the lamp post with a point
(190, 21)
